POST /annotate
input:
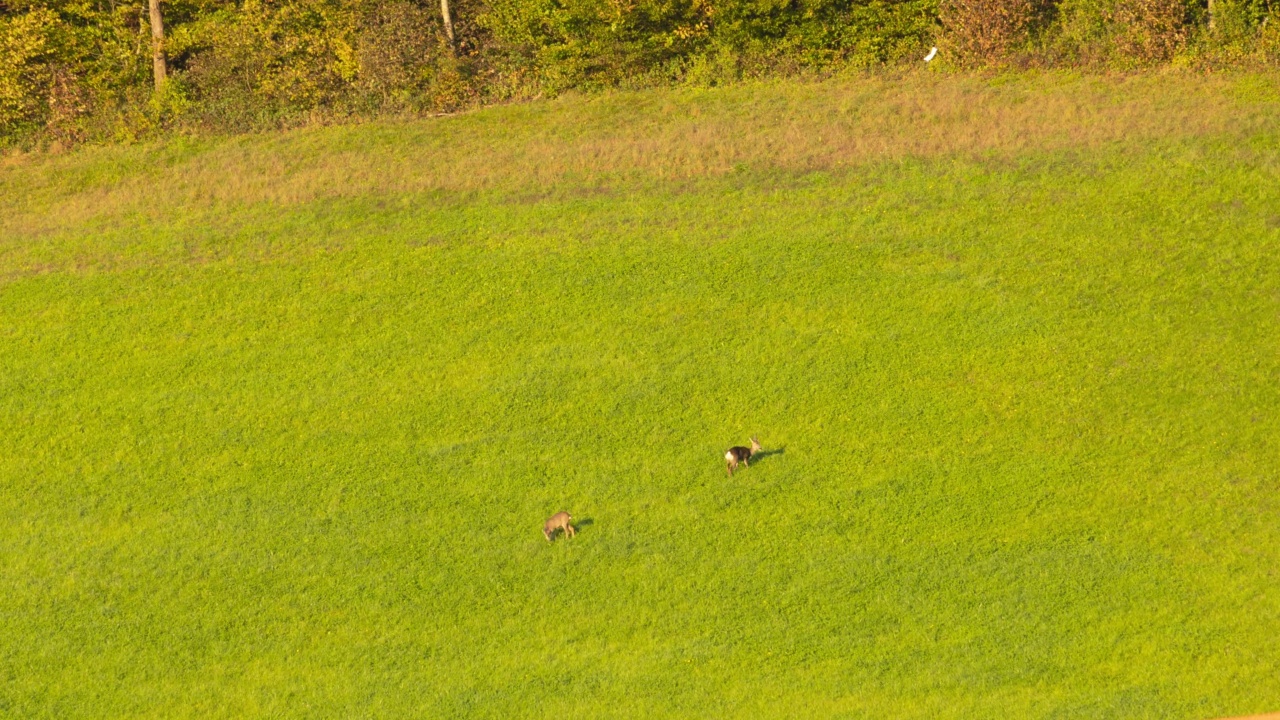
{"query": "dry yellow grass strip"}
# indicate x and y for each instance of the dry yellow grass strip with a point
(668, 134)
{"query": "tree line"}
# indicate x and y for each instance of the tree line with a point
(76, 70)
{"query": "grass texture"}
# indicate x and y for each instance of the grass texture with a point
(279, 431)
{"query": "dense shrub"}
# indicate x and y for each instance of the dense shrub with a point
(28, 56)
(1150, 31)
(990, 32)
(574, 43)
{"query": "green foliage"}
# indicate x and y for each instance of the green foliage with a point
(820, 32)
(266, 58)
(1145, 32)
(290, 457)
(27, 54)
(1241, 17)
(571, 43)
(71, 69)
(1245, 33)
(608, 42)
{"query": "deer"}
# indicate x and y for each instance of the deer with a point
(559, 521)
(739, 454)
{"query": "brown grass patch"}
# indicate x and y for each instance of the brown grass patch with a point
(581, 142)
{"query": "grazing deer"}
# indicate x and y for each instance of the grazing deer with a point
(740, 454)
(559, 521)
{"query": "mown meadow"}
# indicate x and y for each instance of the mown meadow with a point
(281, 415)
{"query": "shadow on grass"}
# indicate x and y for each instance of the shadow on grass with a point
(584, 522)
(755, 459)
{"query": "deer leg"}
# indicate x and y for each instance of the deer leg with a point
(568, 530)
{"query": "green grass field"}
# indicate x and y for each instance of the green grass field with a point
(281, 416)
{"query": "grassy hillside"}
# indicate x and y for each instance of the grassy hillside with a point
(282, 415)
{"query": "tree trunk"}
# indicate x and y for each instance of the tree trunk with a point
(448, 22)
(157, 44)
(1211, 23)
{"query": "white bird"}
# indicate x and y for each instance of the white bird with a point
(931, 54)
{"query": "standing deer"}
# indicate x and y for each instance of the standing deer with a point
(559, 521)
(740, 454)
